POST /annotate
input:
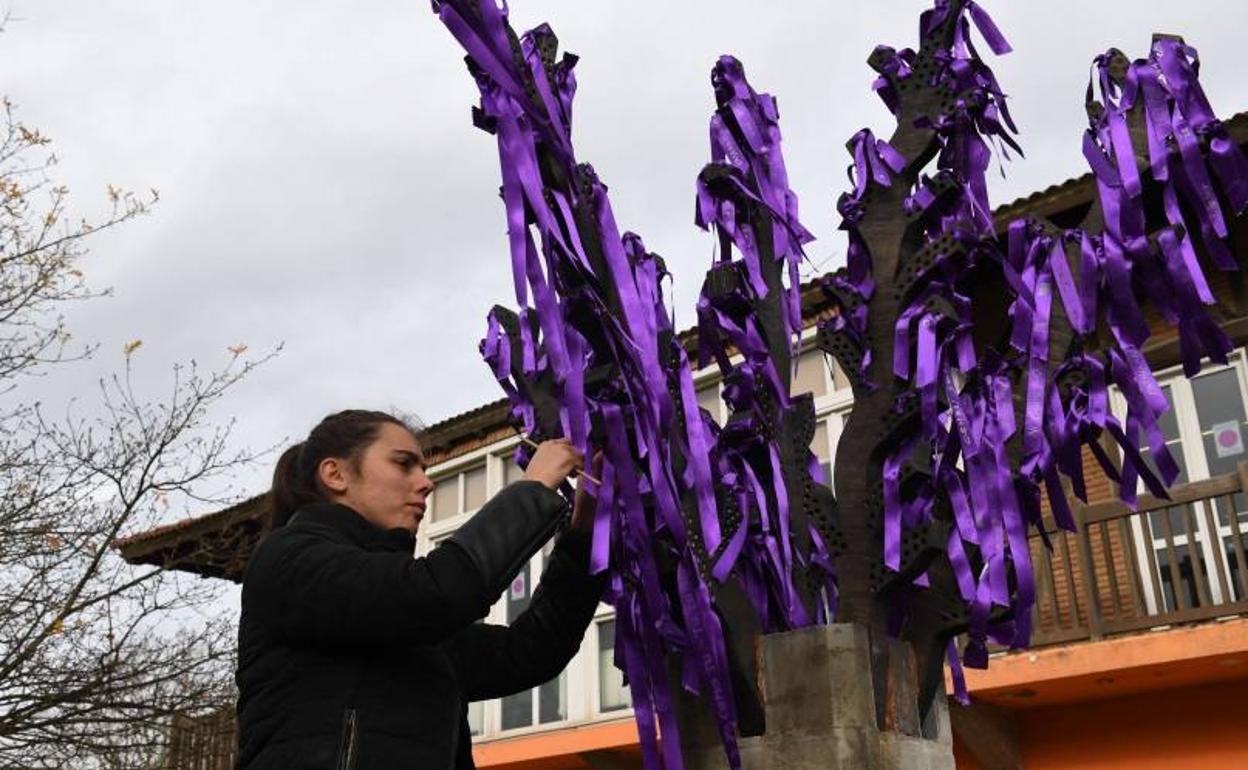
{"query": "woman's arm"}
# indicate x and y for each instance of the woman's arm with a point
(313, 588)
(493, 661)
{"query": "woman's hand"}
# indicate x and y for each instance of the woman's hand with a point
(585, 505)
(553, 462)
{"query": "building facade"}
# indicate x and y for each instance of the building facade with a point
(1141, 646)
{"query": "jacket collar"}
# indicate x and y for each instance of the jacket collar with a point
(355, 527)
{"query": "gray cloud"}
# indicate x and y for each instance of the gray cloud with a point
(322, 184)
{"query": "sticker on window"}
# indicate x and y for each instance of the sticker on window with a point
(1227, 439)
(518, 587)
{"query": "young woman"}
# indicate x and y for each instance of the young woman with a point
(353, 653)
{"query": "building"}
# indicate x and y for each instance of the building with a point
(1140, 655)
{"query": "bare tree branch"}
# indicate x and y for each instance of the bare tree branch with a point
(97, 657)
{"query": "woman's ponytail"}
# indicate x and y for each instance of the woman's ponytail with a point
(292, 487)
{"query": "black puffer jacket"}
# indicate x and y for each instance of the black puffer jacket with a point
(353, 654)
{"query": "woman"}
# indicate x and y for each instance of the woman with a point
(354, 654)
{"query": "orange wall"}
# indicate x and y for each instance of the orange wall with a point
(1197, 727)
(1188, 729)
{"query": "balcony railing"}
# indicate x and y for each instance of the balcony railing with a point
(1169, 562)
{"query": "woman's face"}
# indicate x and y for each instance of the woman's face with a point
(388, 486)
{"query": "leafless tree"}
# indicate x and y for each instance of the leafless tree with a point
(96, 656)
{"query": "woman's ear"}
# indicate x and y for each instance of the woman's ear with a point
(333, 475)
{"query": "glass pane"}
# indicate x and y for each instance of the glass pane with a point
(474, 488)
(1224, 448)
(1154, 518)
(1232, 565)
(1218, 399)
(1179, 524)
(708, 399)
(445, 498)
(518, 710)
(511, 472)
(819, 444)
(811, 377)
(1220, 410)
(612, 692)
(476, 717)
(839, 380)
(1187, 579)
(1176, 454)
(1168, 421)
(551, 701)
(1219, 466)
(518, 595)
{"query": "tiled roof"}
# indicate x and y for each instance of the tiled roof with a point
(122, 543)
(217, 544)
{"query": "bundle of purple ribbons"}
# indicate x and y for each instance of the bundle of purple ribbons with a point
(687, 506)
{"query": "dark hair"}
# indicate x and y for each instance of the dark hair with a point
(344, 435)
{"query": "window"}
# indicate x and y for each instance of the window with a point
(1219, 402)
(1219, 399)
(822, 447)
(462, 492)
(839, 380)
(445, 498)
(511, 472)
(1205, 433)
(474, 488)
(476, 718)
(613, 694)
(811, 375)
(708, 399)
(1169, 425)
(548, 702)
(827, 435)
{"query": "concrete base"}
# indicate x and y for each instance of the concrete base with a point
(821, 712)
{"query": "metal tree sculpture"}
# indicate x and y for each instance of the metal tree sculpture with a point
(961, 426)
(714, 534)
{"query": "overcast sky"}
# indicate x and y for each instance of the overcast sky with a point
(322, 185)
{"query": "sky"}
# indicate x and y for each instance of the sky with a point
(322, 186)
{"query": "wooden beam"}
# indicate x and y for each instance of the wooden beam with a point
(991, 733)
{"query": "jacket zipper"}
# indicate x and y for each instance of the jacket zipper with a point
(346, 756)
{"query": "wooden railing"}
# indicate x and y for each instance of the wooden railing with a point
(1169, 562)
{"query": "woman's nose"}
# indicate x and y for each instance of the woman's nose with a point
(424, 484)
